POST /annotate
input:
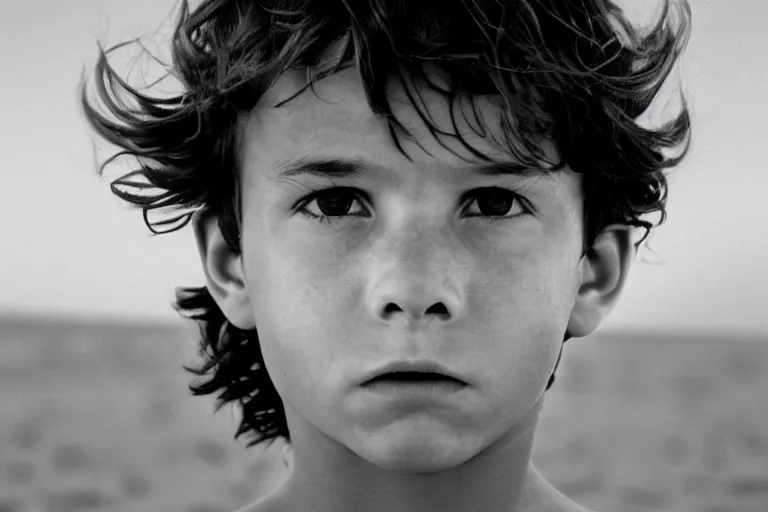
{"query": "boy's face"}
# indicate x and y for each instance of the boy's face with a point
(319, 293)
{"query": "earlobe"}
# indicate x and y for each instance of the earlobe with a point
(604, 271)
(222, 267)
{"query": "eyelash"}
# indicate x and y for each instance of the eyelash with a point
(325, 219)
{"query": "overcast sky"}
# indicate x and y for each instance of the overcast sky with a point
(68, 245)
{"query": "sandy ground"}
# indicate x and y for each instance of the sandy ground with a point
(98, 417)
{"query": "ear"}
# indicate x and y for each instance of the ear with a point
(223, 270)
(604, 271)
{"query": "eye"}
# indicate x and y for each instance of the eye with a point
(331, 203)
(495, 204)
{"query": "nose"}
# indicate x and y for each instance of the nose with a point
(419, 285)
(416, 307)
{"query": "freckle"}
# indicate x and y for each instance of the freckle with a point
(747, 486)
(27, 434)
(71, 457)
(19, 471)
(134, 484)
(73, 500)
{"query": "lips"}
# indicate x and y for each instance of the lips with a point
(414, 377)
(412, 371)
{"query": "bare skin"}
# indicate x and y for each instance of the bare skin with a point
(538, 495)
(335, 299)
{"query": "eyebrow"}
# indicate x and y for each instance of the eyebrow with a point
(348, 168)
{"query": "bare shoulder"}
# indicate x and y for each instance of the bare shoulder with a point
(267, 503)
(541, 496)
(575, 507)
(254, 507)
(263, 506)
(269, 471)
(564, 504)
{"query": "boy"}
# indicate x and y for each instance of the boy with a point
(403, 344)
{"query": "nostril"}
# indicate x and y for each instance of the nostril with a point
(391, 308)
(438, 308)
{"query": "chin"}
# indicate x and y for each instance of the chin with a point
(416, 456)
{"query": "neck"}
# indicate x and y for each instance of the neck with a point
(328, 477)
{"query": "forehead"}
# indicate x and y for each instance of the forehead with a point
(337, 115)
(335, 121)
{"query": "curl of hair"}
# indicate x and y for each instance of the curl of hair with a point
(575, 72)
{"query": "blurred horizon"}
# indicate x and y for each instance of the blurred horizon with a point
(85, 319)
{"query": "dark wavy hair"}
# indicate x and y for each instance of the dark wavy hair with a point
(576, 72)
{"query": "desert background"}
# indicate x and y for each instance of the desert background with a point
(664, 408)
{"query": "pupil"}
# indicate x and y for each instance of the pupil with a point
(499, 203)
(328, 202)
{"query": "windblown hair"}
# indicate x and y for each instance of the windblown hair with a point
(576, 72)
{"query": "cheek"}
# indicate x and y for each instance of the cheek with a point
(292, 356)
(291, 313)
(535, 286)
(528, 303)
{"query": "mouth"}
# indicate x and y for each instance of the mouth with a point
(413, 374)
(409, 377)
